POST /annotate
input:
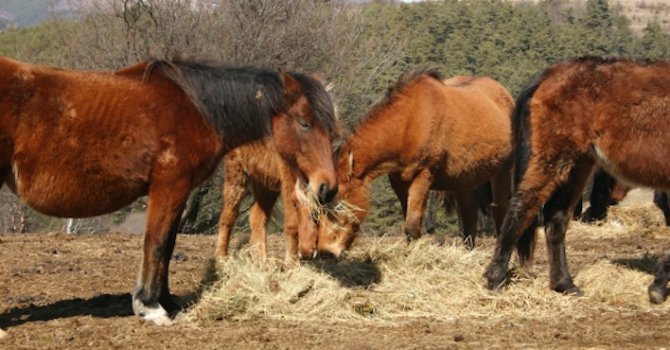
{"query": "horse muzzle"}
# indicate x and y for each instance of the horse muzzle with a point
(326, 194)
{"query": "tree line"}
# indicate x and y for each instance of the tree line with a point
(361, 48)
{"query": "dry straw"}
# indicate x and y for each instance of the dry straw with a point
(386, 280)
(333, 217)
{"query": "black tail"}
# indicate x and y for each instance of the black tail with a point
(521, 135)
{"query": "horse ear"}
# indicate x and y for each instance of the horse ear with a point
(291, 86)
(350, 171)
(319, 78)
(329, 87)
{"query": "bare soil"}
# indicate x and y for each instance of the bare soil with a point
(62, 291)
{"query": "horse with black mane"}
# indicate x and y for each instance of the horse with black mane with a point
(611, 112)
(78, 144)
(256, 168)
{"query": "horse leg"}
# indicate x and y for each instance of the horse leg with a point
(537, 185)
(417, 194)
(658, 290)
(234, 189)
(501, 186)
(151, 299)
(292, 220)
(557, 213)
(662, 202)
(400, 188)
(258, 218)
(601, 193)
(431, 212)
(468, 211)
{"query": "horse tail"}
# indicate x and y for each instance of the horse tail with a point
(521, 140)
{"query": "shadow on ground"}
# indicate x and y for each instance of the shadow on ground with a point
(350, 273)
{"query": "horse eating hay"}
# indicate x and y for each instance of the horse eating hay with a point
(258, 167)
(426, 134)
(76, 144)
(611, 112)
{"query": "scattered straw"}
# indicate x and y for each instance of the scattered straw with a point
(386, 280)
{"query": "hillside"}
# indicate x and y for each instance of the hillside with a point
(23, 13)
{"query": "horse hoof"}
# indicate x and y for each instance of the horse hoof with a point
(156, 315)
(657, 295)
(568, 289)
(3, 333)
(573, 292)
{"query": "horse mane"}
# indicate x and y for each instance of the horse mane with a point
(395, 90)
(240, 101)
(321, 102)
(409, 77)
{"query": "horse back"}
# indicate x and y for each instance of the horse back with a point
(258, 161)
(108, 135)
(614, 111)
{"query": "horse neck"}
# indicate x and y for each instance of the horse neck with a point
(8, 72)
(375, 145)
(14, 83)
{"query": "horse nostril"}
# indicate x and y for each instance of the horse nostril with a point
(326, 195)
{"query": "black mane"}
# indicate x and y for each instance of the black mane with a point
(322, 104)
(240, 101)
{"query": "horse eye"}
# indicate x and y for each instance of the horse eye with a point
(305, 124)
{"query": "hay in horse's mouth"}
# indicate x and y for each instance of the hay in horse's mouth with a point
(335, 215)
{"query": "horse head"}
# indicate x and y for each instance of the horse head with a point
(337, 226)
(303, 133)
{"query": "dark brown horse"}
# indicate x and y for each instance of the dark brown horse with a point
(452, 135)
(610, 112)
(76, 144)
(448, 201)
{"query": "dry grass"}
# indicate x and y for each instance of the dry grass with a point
(341, 211)
(386, 280)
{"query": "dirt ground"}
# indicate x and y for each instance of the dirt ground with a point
(61, 291)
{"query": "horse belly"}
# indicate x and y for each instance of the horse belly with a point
(76, 195)
(78, 185)
(635, 164)
(448, 180)
(476, 163)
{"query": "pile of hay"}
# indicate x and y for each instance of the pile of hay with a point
(385, 279)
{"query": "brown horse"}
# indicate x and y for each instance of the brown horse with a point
(76, 144)
(258, 167)
(610, 112)
(452, 135)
